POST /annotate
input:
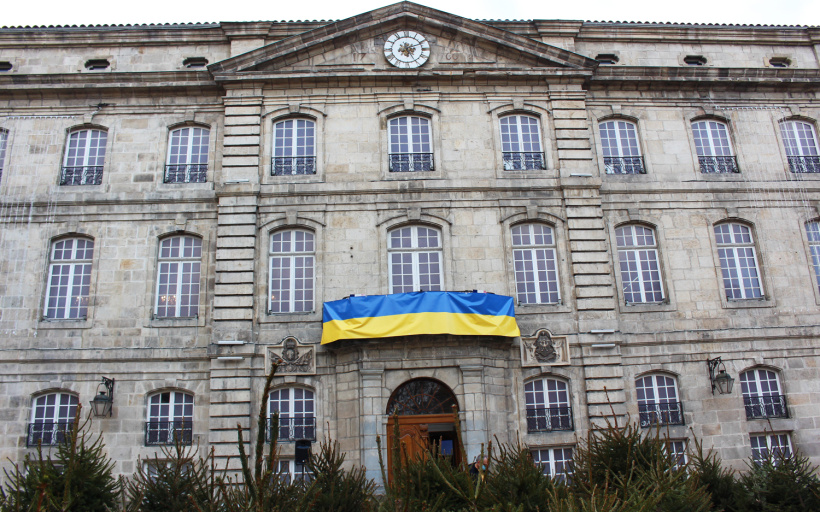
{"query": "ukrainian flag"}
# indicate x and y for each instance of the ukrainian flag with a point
(404, 314)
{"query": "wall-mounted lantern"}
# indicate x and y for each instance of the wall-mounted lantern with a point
(104, 401)
(722, 381)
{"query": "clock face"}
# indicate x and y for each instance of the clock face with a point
(406, 49)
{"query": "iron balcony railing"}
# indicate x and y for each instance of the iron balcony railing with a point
(48, 433)
(718, 164)
(549, 419)
(804, 164)
(665, 413)
(411, 162)
(763, 407)
(624, 165)
(186, 173)
(294, 429)
(523, 161)
(83, 175)
(292, 165)
(169, 432)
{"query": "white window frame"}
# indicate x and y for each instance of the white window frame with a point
(710, 135)
(731, 262)
(188, 147)
(182, 264)
(294, 144)
(418, 147)
(62, 274)
(677, 451)
(289, 471)
(51, 423)
(636, 259)
(520, 142)
(758, 386)
(797, 143)
(619, 141)
(556, 462)
(655, 393)
(85, 150)
(416, 256)
(548, 404)
(163, 425)
(534, 248)
(301, 424)
(4, 139)
(813, 235)
(300, 255)
(768, 442)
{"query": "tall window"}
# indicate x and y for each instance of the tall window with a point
(410, 147)
(772, 446)
(713, 147)
(555, 462)
(813, 234)
(415, 259)
(187, 155)
(658, 402)
(547, 402)
(801, 146)
(170, 418)
(178, 277)
(521, 143)
(638, 261)
(69, 278)
(676, 449)
(4, 138)
(294, 147)
(84, 157)
(619, 141)
(536, 273)
(762, 395)
(297, 414)
(738, 261)
(292, 262)
(52, 419)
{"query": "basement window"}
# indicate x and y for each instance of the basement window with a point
(97, 64)
(695, 60)
(195, 62)
(780, 62)
(607, 58)
(5, 66)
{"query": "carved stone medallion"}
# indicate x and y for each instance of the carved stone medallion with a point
(295, 358)
(543, 349)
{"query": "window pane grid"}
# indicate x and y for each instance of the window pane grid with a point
(638, 263)
(415, 267)
(178, 277)
(170, 418)
(711, 138)
(187, 155)
(774, 445)
(291, 272)
(555, 462)
(619, 139)
(658, 401)
(536, 273)
(297, 413)
(69, 282)
(813, 234)
(738, 263)
(799, 138)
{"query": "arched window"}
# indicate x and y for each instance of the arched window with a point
(638, 261)
(178, 274)
(813, 234)
(521, 143)
(4, 138)
(762, 394)
(555, 462)
(52, 419)
(536, 271)
(714, 147)
(619, 141)
(658, 402)
(800, 140)
(69, 278)
(292, 263)
(738, 261)
(294, 147)
(170, 418)
(84, 157)
(411, 149)
(415, 258)
(547, 403)
(187, 155)
(297, 413)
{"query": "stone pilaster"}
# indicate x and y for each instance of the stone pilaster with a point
(372, 412)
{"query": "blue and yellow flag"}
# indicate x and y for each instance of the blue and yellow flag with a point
(404, 314)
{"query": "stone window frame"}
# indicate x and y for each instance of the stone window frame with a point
(182, 126)
(767, 300)
(782, 145)
(635, 121)
(177, 390)
(544, 378)
(171, 123)
(576, 400)
(634, 249)
(109, 142)
(269, 120)
(324, 407)
(291, 386)
(433, 114)
(779, 377)
(545, 124)
(202, 280)
(423, 219)
(291, 255)
(690, 118)
(33, 406)
(814, 272)
(678, 394)
(94, 262)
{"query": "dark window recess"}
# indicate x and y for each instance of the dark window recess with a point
(695, 60)
(5, 66)
(195, 62)
(607, 58)
(780, 62)
(96, 64)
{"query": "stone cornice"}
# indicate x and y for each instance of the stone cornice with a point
(104, 80)
(706, 74)
(111, 36)
(700, 34)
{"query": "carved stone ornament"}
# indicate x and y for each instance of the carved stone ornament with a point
(296, 358)
(543, 349)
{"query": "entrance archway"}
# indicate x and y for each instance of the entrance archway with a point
(424, 411)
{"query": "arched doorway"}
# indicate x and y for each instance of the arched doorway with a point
(424, 410)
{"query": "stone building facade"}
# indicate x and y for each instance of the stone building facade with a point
(178, 201)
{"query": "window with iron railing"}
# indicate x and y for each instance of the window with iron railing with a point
(52, 419)
(800, 140)
(169, 432)
(762, 394)
(547, 405)
(521, 143)
(293, 429)
(297, 413)
(619, 142)
(170, 418)
(294, 147)
(714, 148)
(658, 401)
(84, 157)
(411, 148)
(187, 155)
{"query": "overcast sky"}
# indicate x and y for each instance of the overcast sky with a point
(62, 12)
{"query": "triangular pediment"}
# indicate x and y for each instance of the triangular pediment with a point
(357, 45)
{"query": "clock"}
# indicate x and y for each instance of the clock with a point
(406, 49)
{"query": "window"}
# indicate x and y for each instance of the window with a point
(694, 60)
(187, 155)
(4, 138)
(658, 401)
(97, 64)
(770, 446)
(547, 402)
(291, 271)
(69, 279)
(84, 157)
(813, 234)
(619, 141)
(800, 140)
(294, 147)
(762, 395)
(415, 259)
(738, 261)
(676, 449)
(780, 62)
(555, 462)
(195, 62)
(713, 147)
(52, 419)
(170, 418)
(521, 144)
(291, 471)
(5, 66)
(297, 417)
(607, 58)
(536, 273)
(410, 146)
(178, 277)
(638, 261)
